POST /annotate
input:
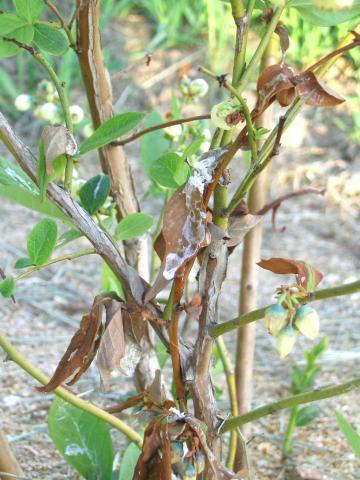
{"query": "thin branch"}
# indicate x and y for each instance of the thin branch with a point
(298, 193)
(300, 399)
(66, 395)
(160, 126)
(63, 23)
(69, 256)
(346, 289)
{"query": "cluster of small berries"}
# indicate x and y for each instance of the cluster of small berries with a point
(285, 324)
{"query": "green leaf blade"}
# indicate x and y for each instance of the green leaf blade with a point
(169, 171)
(42, 241)
(133, 225)
(23, 263)
(50, 39)
(82, 439)
(129, 461)
(306, 415)
(111, 130)
(29, 9)
(7, 287)
(94, 193)
(352, 437)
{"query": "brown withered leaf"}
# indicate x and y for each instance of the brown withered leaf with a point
(134, 323)
(112, 344)
(315, 91)
(239, 226)
(183, 233)
(156, 390)
(57, 141)
(194, 308)
(304, 272)
(283, 34)
(80, 352)
(273, 80)
(154, 462)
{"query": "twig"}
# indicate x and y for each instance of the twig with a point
(160, 126)
(66, 395)
(62, 22)
(146, 59)
(70, 256)
(278, 201)
(346, 289)
(289, 402)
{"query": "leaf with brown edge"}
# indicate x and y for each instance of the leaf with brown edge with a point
(80, 352)
(57, 141)
(112, 344)
(273, 80)
(307, 276)
(154, 462)
(315, 92)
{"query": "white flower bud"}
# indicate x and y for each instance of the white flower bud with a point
(286, 340)
(198, 87)
(307, 322)
(174, 131)
(23, 102)
(47, 111)
(88, 130)
(77, 114)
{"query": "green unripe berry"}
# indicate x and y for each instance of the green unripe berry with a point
(286, 340)
(307, 322)
(275, 318)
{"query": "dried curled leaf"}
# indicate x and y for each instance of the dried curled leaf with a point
(307, 275)
(81, 350)
(184, 230)
(239, 226)
(272, 81)
(315, 91)
(57, 141)
(284, 38)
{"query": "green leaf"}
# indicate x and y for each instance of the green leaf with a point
(192, 147)
(129, 461)
(41, 241)
(82, 439)
(7, 287)
(18, 187)
(109, 281)
(67, 237)
(29, 9)
(50, 39)
(41, 173)
(94, 193)
(23, 263)
(154, 144)
(352, 437)
(111, 130)
(7, 84)
(325, 17)
(133, 225)
(9, 22)
(169, 171)
(161, 353)
(307, 415)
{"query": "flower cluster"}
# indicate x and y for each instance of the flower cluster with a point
(285, 324)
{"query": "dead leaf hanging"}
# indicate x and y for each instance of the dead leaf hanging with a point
(315, 92)
(307, 275)
(57, 141)
(274, 80)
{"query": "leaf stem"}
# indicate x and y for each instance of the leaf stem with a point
(66, 395)
(289, 402)
(69, 256)
(346, 289)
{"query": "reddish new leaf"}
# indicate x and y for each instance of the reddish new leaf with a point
(315, 91)
(273, 80)
(80, 352)
(307, 275)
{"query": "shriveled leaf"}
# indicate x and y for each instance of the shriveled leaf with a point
(169, 171)
(83, 440)
(57, 141)
(7, 287)
(156, 390)
(41, 241)
(284, 38)
(111, 130)
(154, 462)
(307, 275)
(350, 433)
(239, 226)
(112, 344)
(315, 92)
(273, 80)
(94, 193)
(50, 39)
(81, 350)
(129, 461)
(133, 225)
